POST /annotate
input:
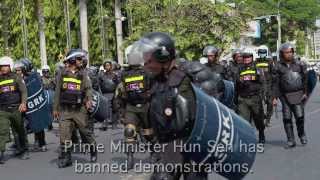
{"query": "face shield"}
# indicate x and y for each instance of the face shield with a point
(150, 51)
(135, 55)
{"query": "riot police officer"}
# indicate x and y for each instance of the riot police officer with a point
(235, 64)
(233, 71)
(24, 68)
(290, 86)
(208, 81)
(93, 73)
(13, 99)
(73, 96)
(134, 91)
(171, 89)
(264, 65)
(212, 54)
(108, 81)
(47, 81)
(249, 87)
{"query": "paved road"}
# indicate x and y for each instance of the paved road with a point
(276, 163)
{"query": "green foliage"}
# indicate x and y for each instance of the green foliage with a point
(194, 23)
(296, 16)
(55, 29)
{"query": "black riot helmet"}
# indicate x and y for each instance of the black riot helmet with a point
(93, 71)
(245, 55)
(262, 51)
(210, 50)
(286, 46)
(109, 62)
(159, 46)
(76, 54)
(28, 66)
(19, 64)
(235, 52)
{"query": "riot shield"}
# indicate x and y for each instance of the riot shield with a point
(312, 81)
(228, 94)
(38, 112)
(98, 109)
(225, 138)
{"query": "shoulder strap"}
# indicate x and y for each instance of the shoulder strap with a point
(176, 77)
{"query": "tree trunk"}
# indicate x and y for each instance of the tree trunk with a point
(84, 25)
(118, 21)
(5, 27)
(42, 37)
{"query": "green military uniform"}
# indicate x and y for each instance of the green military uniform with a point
(164, 94)
(134, 91)
(48, 83)
(265, 67)
(249, 89)
(13, 92)
(72, 91)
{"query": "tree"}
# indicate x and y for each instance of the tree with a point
(194, 23)
(296, 17)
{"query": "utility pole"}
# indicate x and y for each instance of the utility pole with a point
(25, 30)
(118, 21)
(67, 23)
(42, 37)
(84, 25)
(279, 30)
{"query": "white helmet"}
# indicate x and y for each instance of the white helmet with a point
(6, 61)
(45, 67)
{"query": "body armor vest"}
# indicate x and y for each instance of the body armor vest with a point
(249, 74)
(163, 111)
(107, 83)
(9, 93)
(291, 81)
(263, 65)
(249, 82)
(71, 90)
(265, 68)
(136, 84)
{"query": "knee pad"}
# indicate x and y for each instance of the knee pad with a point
(286, 113)
(148, 134)
(130, 132)
(299, 111)
(300, 120)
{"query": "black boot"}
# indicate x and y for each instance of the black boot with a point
(291, 143)
(25, 155)
(104, 126)
(301, 132)
(93, 155)
(1, 157)
(268, 122)
(64, 159)
(262, 138)
(130, 160)
(154, 157)
(304, 140)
